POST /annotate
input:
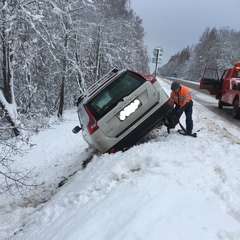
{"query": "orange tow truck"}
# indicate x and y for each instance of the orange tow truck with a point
(226, 89)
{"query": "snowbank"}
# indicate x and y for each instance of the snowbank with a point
(170, 187)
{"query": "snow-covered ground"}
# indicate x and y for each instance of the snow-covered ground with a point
(171, 187)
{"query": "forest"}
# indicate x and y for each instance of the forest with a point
(50, 52)
(217, 48)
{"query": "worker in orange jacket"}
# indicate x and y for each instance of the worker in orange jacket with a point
(180, 97)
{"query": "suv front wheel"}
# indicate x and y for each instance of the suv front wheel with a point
(220, 103)
(236, 109)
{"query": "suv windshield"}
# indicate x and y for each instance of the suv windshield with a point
(109, 97)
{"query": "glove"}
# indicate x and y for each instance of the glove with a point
(180, 109)
(172, 118)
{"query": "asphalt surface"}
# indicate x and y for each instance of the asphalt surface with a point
(225, 113)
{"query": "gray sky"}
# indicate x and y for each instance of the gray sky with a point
(175, 24)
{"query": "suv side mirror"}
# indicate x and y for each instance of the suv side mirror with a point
(76, 129)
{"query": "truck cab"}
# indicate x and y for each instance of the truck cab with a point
(226, 89)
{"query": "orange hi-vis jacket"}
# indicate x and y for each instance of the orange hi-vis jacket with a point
(182, 97)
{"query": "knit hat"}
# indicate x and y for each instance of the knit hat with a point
(175, 85)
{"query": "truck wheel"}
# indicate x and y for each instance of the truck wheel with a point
(220, 103)
(236, 109)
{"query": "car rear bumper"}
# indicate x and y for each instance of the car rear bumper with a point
(142, 129)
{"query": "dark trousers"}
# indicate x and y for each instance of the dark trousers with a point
(188, 113)
(189, 121)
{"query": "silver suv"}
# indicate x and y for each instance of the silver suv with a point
(121, 108)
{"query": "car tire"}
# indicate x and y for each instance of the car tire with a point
(236, 109)
(220, 103)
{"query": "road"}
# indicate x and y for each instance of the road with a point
(225, 113)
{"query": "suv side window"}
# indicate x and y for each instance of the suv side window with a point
(109, 97)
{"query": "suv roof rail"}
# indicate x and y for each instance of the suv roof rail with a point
(95, 85)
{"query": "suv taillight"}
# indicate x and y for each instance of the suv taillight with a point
(153, 80)
(150, 77)
(92, 124)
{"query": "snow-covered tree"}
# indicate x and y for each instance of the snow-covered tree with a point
(8, 48)
(216, 48)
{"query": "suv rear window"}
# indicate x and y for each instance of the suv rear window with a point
(109, 97)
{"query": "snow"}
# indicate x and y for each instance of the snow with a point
(169, 187)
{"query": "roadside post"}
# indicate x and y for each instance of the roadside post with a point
(157, 53)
